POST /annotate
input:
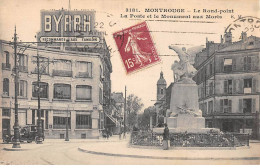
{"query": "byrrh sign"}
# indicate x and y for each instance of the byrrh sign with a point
(61, 26)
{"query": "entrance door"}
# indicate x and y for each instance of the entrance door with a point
(227, 126)
(6, 127)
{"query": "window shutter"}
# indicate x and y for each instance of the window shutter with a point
(234, 64)
(241, 85)
(221, 65)
(255, 63)
(253, 106)
(221, 105)
(245, 63)
(226, 87)
(254, 81)
(240, 106)
(230, 106)
(234, 86)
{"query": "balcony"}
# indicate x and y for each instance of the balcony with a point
(83, 127)
(6, 66)
(84, 75)
(23, 68)
(43, 72)
(62, 73)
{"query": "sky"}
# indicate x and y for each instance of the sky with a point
(25, 14)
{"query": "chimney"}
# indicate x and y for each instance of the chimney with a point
(228, 37)
(244, 36)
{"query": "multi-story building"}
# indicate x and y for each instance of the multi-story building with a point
(75, 84)
(228, 80)
(114, 119)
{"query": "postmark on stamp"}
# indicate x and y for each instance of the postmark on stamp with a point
(136, 47)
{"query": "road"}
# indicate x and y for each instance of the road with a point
(59, 152)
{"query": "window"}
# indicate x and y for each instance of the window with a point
(7, 58)
(6, 65)
(43, 90)
(6, 87)
(228, 87)
(60, 119)
(43, 65)
(101, 73)
(247, 63)
(85, 69)
(83, 92)
(247, 105)
(62, 68)
(210, 68)
(210, 107)
(227, 65)
(36, 112)
(6, 113)
(211, 88)
(22, 62)
(83, 121)
(62, 91)
(161, 91)
(100, 96)
(225, 105)
(22, 88)
(247, 85)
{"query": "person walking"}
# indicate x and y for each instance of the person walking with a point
(166, 142)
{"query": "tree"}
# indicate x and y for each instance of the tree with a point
(133, 107)
(144, 119)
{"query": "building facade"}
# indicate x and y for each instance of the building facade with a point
(228, 80)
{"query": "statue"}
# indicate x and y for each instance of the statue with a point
(184, 68)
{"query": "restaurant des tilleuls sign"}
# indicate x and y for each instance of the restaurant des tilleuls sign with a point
(68, 28)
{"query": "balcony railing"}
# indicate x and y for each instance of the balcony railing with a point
(23, 68)
(83, 127)
(62, 73)
(6, 66)
(84, 75)
(42, 72)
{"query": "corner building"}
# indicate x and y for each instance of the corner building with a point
(75, 84)
(228, 80)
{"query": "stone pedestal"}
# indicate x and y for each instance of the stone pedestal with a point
(186, 121)
(184, 114)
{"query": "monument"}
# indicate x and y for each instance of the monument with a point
(184, 114)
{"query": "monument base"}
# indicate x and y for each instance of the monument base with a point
(187, 130)
(186, 121)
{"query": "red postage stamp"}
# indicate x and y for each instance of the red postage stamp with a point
(136, 47)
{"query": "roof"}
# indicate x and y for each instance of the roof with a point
(161, 81)
(118, 97)
(251, 42)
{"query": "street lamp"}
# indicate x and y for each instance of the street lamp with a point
(67, 126)
(16, 143)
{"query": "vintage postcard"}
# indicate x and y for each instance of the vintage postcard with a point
(114, 82)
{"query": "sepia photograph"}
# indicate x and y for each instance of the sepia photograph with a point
(117, 82)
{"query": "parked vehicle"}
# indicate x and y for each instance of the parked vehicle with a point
(27, 133)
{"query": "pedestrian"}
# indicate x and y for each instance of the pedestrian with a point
(166, 142)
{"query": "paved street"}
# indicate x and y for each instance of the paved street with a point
(113, 151)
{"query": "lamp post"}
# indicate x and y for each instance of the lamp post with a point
(67, 126)
(125, 115)
(39, 122)
(16, 143)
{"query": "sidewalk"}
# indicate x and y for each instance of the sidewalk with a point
(48, 142)
(121, 148)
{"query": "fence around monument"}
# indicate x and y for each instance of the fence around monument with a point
(143, 138)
